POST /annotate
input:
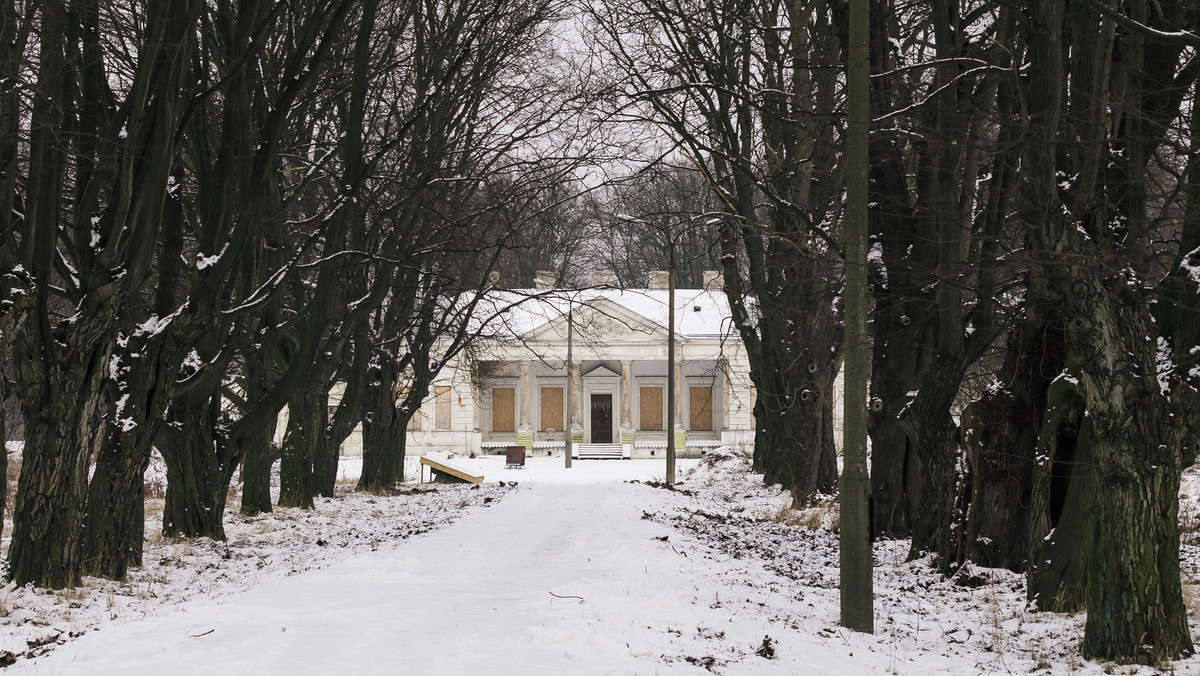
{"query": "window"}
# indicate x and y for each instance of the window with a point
(651, 405)
(442, 404)
(552, 409)
(701, 417)
(503, 416)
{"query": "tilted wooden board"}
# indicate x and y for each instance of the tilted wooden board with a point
(451, 471)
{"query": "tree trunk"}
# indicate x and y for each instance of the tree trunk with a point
(259, 457)
(3, 439)
(932, 432)
(114, 525)
(1134, 594)
(197, 481)
(895, 472)
(1062, 493)
(52, 488)
(329, 441)
(383, 443)
(1001, 436)
(794, 436)
(305, 430)
(258, 453)
(827, 470)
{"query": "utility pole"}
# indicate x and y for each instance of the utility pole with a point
(570, 400)
(671, 364)
(857, 591)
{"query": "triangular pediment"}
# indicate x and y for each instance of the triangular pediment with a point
(600, 319)
(602, 371)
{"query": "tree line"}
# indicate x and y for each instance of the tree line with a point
(1033, 211)
(216, 210)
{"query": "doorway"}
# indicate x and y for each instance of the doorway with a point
(602, 412)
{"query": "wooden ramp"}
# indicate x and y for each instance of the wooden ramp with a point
(443, 472)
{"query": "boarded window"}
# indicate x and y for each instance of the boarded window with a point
(442, 400)
(552, 408)
(701, 408)
(651, 405)
(503, 399)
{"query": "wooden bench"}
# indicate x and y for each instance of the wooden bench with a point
(443, 472)
(597, 451)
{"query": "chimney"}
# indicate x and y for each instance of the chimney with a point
(658, 279)
(714, 280)
(605, 278)
(544, 279)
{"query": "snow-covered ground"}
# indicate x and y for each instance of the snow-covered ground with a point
(542, 570)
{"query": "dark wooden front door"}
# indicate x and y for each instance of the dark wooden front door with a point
(602, 419)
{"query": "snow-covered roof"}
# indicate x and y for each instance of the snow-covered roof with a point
(699, 313)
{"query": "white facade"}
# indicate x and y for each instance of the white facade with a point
(513, 378)
(516, 378)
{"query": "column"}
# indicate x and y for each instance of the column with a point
(575, 415)
(526, 408)
(679, 395)
(626, 392)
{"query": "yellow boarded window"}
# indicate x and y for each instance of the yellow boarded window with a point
(701, 408)
(651, 405)
(552, 408)
(442, 405)
(503, 399)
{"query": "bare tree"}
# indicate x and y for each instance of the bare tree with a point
(743, 89)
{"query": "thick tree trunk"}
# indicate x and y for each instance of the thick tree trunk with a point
(794, 436)
(326, 449)
(51, 493)
(3, 448)
(325, 464)
(59, 403)
(1062, 493)
(1001, 436)
(259, 457)
(114, 525)
(938, 526)
(305, 430)
(197, 480)
(383, 438)
(1134, 594)
(196, 496)
(52, 488)
(895, 472)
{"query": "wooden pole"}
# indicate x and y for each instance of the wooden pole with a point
(857, 593)
(671, 365)
(570, 399)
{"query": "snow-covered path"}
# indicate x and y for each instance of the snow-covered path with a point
(576, 572)
(474, 598)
